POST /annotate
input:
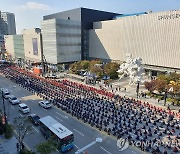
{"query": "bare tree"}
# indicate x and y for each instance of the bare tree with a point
(22, 127)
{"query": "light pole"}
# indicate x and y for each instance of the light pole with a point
(165, 97)
(137, 89)
(98, 140)
(5, 119)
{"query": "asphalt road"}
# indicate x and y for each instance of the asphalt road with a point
(83, 133)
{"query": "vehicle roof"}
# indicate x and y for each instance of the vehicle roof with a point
(45, 101)
(56, 127)
(22, 105)
(11, 96)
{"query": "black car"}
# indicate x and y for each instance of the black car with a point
(34, 118)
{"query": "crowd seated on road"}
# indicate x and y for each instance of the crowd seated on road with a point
(121, 117)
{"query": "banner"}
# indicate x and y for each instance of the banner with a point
(35, 46)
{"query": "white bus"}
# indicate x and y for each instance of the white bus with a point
(50, 128)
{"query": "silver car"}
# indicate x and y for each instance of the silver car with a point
(45, 104)
(13, 100)
(5, 93)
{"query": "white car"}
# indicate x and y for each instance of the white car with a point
(24, 108)
(45, 104)
(5, 93)
(13, 100)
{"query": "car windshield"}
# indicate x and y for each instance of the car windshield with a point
(47, 103)
(7, 93)
(13, 98)
(24, 107)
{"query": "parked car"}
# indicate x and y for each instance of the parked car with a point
(5, 93)
(13, 100)
(34, 119)
(24, 108)
(45, 104)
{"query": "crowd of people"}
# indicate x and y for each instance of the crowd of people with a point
(121, 117)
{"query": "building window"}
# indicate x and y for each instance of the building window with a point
(68, 18)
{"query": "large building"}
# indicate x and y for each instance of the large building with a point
(7, 23)
(7, 27)
(32, 44)
(26, 46)
(66, 34)
(154, 37)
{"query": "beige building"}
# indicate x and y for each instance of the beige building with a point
(9, 45)
(32, 44)
(155, 37)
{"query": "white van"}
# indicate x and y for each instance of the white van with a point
(24, 108)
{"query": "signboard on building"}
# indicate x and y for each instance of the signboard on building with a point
(35, 46)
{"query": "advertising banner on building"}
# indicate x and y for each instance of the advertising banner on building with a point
(35, 46)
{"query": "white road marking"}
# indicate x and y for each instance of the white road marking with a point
(21, 115)
(35, 129)
(105, 150)
(58, 118)
(79, 132)
(76, 146)
(12, 106)
(134, 152)
(66, 117)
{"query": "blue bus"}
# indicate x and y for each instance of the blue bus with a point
(51, 129)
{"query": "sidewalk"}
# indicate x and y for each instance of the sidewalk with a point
(8, 146)
(131, 92)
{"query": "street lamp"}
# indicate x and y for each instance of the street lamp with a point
(137, 89)
(165, 97)
(98, 140)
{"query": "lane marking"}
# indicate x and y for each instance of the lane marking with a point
(105, 150)
(21, 115)
(35, 129)
(58, 118)
(12, 106)
(76, 146)
(78, 132)
(66, 117)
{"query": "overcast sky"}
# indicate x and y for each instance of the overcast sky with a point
(29, 13)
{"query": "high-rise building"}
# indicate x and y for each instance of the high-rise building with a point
(7, 23)
(7, 27)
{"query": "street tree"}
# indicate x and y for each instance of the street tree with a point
(46, 147)
(22, 127)
(111, 69)
(160, 85)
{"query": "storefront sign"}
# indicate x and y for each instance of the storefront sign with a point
(170, 16)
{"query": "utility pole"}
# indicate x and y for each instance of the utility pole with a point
(42, 55)
(5, 119)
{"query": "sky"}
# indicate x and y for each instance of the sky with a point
(29, 13)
